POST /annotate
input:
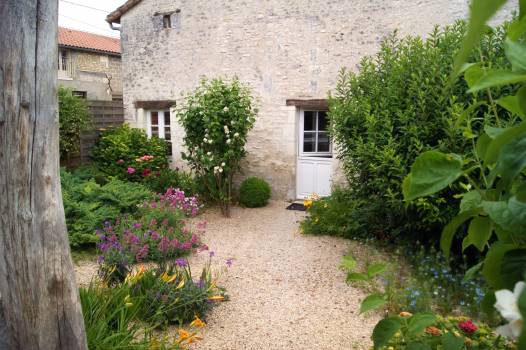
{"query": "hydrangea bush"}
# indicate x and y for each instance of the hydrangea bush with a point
(217, 117)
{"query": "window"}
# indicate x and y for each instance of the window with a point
(81, 94)
(158, 124)
(167, 21)
(314, 137)
(63, 60)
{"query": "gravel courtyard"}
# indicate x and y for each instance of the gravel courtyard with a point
(286, 289)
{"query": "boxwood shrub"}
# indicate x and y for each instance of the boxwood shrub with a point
(254, 192)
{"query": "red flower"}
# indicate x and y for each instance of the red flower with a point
(146, 172)
(468, 326)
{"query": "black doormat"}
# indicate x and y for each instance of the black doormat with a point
(296, 206)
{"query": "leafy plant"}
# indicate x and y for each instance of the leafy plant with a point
(129, 154)
(254, 192)
(400, 104)
(217, 117)
(494, 204)
(73, 119)
(167, 178)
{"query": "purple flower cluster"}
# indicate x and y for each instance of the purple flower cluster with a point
(176, 198)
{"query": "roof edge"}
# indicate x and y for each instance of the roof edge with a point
(115, 16)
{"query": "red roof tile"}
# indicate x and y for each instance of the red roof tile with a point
(82, 40)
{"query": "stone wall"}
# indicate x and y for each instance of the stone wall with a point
(90, 69)
(283, 49)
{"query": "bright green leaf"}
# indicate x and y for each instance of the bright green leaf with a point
(517, 28)
(385, 330)
(473, 74)
(348, 263)
(482, 145)
(487, 305)
(491, 270)
(513, 267)
(470, 200)
(493, 78)
(372, 302)
(451, 228)
(521, 97)
(509, 215)
(450, 342)
(492, 131)
(431, 172)
(376, 269)
(511, 104)
(479, 232)
(499, 141)
(418, 322)
(480, 12)
(356, 276)
(516, 54)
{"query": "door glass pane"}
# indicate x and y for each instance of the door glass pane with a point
(309, 120)
(309, 142)
(169, 148)
(167, 134)
(322, 121)
(155, 118)
(167, 118)
(323, 142)
(155, 131)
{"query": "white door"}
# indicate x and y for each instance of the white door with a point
(314, 155)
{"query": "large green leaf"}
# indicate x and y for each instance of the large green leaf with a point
(473, 73)
(493, 78)
(472, 271)
(348, 263)
(512, 104)
(451, 342)
(516, 53)
(513, 267)
(417, 346)
(521, 97)
(385, 330)
(418, 322)
(470, 200)
(480, 12)
(356, 276)
(372, 302)
(482, 145)
(431, 172)
(509, 215)
(451, 228)
(499, 141)
(511, 160)
(491, 270)
(376, 269)
(479, 232)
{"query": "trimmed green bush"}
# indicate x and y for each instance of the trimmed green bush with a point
(73, 117)
(167, 178)
(254, 192)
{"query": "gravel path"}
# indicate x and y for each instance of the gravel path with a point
(286, 289)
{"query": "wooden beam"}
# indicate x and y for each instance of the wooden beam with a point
(315, 104)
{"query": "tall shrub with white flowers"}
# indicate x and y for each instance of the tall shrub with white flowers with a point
(217, 117)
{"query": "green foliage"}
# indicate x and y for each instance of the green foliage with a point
(337, 215)
(129, 154)
(166, 178)
(110, 319)
(399, 105)
(87, 204)
(73, 119)
(431, 332)
(217, 117)
(254, 192)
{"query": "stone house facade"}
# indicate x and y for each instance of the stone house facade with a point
(289, 52)
(90, 64)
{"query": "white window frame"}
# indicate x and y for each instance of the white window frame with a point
(316, 131)
(160, 125)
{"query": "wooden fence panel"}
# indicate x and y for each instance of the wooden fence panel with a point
(104, 114)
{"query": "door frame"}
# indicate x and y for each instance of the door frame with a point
(325, 157)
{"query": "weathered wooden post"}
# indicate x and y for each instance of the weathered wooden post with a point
(39, 302)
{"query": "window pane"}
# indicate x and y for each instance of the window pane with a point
(322, 121)
(155, 118)
(309, 142)
(323, 142)
(167, 134)
(169, 148)
(167, 118)
(309, 121)
(155, 131)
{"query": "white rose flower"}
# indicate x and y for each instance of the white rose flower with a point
(228, 141)
(210, 141)
(216, 167)
(225, 109)
(223, 164)
(208, 153)
(236, 134)
(508, 306)
(205, 140)
(220, 170)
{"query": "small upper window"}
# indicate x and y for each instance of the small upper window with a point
(167, 21)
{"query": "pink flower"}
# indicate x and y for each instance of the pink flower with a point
(131, 170)
(468, 326)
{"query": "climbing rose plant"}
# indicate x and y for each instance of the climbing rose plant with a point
(217, 117)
